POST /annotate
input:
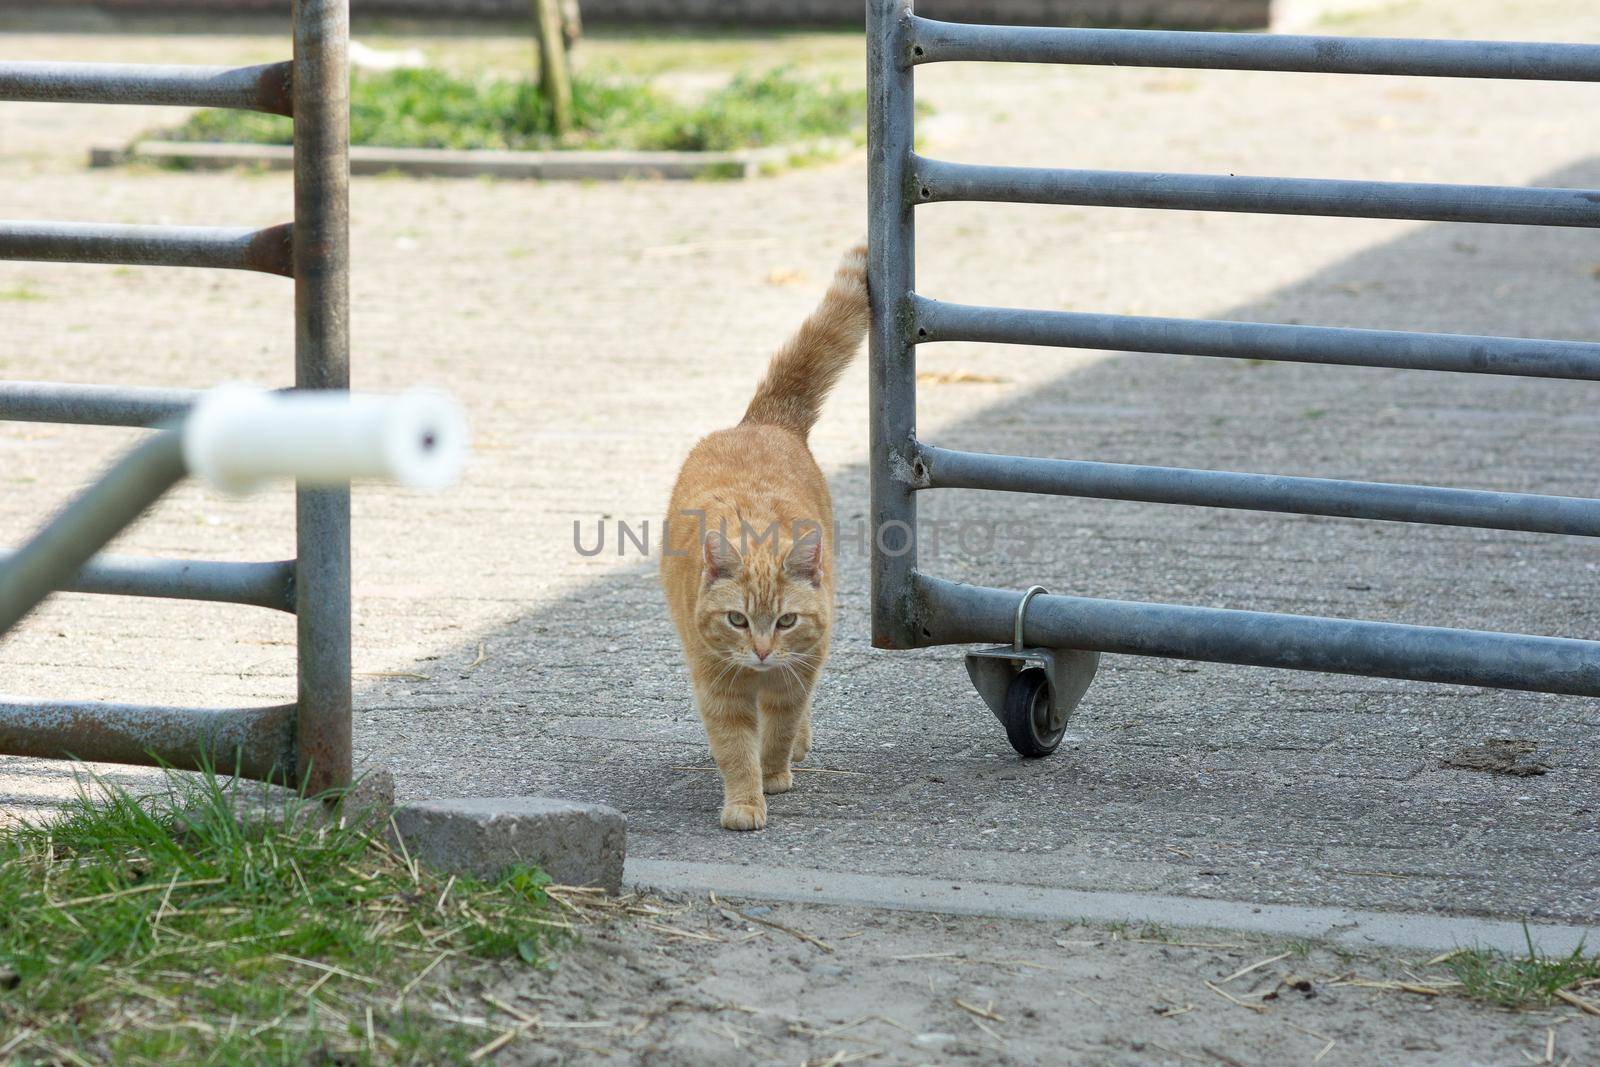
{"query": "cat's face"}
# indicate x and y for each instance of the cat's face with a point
(765, 609)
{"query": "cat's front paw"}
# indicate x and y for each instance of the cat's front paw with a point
(744, 816)
(781, 782)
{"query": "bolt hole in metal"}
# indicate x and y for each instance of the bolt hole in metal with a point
(925, 192)
(917, 50)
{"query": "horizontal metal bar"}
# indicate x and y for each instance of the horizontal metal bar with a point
(257, 742)
(951, 613)
(942, 468)
(940, 321)
(55, 555)
(937, 180)
(92, 405)
(266, 87)
(262, 585)
(238, 248)
(937, 42)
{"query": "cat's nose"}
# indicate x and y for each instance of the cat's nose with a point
(763, 653)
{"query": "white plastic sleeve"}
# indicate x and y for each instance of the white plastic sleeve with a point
(237, 438)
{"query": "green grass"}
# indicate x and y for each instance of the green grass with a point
(764, 109)
(435, 109)
(168, 930)
(1522, 981)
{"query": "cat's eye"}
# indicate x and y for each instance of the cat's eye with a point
(737, 619)
(786, 621)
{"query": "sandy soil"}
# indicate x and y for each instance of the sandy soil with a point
(692, 982)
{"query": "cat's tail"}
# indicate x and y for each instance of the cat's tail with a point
(806, 367)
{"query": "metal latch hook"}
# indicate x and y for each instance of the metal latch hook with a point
(1022, 614)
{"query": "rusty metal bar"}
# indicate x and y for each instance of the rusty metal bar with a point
(322, 361)
(259, 88)
(309, 743)
(257, 742)
(232, 247)
(92, 405)
(261, 585)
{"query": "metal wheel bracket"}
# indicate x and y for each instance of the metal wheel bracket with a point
(1070, 671)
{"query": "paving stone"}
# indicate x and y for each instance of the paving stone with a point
(575, 844)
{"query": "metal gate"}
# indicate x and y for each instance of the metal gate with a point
(914, 609)
(306, 744)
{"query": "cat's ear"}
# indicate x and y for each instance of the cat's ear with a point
(804, 562)
(721, 558)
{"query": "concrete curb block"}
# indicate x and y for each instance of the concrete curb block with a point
(575, 844)
(1354, 927)
(466, 163)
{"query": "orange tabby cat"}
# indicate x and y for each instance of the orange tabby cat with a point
(747, 560)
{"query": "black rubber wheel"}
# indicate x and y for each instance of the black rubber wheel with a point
(1027, 716)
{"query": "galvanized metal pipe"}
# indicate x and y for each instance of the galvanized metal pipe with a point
(961, 614)
(262, 585)
(322, 361)
(891, 269)
(259, 88)
(940, 321)
(310, 743)
(233, 247)
(911, 609)
(92, 405)
(931, 41)
(938, 180)
(943, 468)
(59, 551)
(254, 742)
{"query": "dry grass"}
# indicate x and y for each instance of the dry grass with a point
(170, 929)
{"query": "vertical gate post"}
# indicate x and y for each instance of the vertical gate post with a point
(322, 361)
(891, 268)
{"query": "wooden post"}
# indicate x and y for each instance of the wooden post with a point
(555, 81)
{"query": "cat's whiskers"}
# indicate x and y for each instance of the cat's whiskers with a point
(805, 659)
(730, 663)
(792, 677)
(799, 662)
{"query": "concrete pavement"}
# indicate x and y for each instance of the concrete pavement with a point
(495, 659)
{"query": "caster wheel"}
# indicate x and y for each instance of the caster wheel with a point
(1027, 716)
